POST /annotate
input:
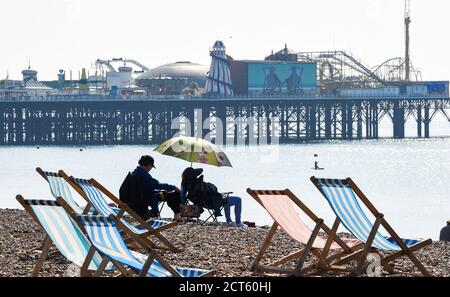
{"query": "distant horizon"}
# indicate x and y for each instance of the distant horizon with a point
(72, 34)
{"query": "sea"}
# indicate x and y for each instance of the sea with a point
(408, 180)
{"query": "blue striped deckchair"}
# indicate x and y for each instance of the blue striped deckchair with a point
(64, 233)
(103, 232)
(92, 191)
(342, 196)
(59, 188)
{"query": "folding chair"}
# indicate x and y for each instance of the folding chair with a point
(91, 190)
(103, 232)
(162, 200)
(211, 211)
(343, 196)
(281, 205)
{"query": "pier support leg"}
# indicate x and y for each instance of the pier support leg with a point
(427, 121)
(368, 122)
(419, 122)
(312, 122)
(399, 121)
(221, 125)
(375, 121)
(349, 121)
(327, 122)
(359, 122)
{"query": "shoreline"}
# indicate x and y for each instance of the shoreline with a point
(228, 250)
(384, 138)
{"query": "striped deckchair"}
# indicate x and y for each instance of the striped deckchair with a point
(64, 233)
(60, 188)
(103, 232)
(281, 205)
(92, 191)
(342, 195)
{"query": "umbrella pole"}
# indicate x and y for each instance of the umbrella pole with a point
(192, 153)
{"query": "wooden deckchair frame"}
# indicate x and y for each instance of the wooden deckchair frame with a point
(124, 208)
(361, 256)
(101, 268)
(153, 255)
(84, 272)
(323, 262)
(47, 242)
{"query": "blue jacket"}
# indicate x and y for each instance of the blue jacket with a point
(153, 185)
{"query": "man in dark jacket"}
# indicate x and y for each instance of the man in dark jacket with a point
(138, 191)
(445, 233)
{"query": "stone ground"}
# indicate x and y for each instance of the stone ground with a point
(229, 250)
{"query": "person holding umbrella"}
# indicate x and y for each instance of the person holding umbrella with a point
(202, 193)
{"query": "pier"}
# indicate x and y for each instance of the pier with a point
(105, 120)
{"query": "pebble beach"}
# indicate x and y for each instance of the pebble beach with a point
(228, 250)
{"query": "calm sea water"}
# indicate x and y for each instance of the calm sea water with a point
(408, 180)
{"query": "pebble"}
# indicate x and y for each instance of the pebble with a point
(228, 250)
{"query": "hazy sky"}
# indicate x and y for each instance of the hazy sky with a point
(70, 34)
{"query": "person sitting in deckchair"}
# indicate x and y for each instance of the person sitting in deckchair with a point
(138, 191)
(205, 194)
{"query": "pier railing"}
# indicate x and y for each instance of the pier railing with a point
(80, 97)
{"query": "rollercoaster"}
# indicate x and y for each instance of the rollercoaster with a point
(342, 69)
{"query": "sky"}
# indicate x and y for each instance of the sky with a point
(71, 34)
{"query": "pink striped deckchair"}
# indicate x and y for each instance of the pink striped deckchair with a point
(281, 205)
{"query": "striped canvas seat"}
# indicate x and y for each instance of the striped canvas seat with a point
(59, 187)
(282, 209)
(104, 209)
(105, 236)
(345, 205)
(64, 232)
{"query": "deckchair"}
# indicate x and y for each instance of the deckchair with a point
(281, 205)
(91, 190)
(343, 196)
(64, 233)
(69, 239)
(103, 232)
(60, 188)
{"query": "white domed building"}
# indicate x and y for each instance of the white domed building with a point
(173, 78)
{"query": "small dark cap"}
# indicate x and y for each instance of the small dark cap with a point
(147, 160)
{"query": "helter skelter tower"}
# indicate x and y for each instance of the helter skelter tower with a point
(218, 78)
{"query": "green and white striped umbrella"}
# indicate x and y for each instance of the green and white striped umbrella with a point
(194, 150)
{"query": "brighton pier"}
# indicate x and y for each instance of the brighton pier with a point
(107, 120)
